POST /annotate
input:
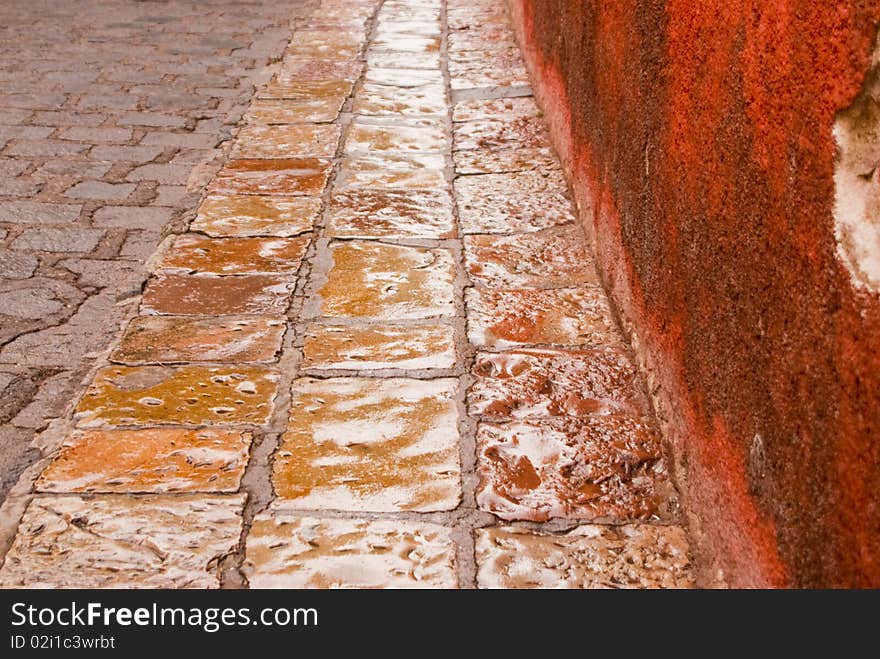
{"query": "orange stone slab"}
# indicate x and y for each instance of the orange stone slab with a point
(390, 282)
(172, 339)
(304, 552)
(188, 395)
(562, 316)
(512, 203)
(503, 109)
(370, 444)
(195, 254)
(321, 69)
(377, 138)
(209, 295)
(545, 259)
(281, 87)
(325, 44)
(605, 468)
(292, 176)
(296, 141)
(590, 556)
(388, 346)
(391, 171)
(323, 109)
(374, 99)
(152, 460)
(529, 384)
(232, 216)
(115, 541)
(507, 160)
(520, 132)
(391, 214)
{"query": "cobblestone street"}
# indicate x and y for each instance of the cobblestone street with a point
(294, 295)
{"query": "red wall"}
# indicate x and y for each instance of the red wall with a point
(698, 139)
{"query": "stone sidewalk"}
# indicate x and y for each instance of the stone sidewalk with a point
(379, 356)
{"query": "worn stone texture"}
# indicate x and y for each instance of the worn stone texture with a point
(248, 215)
(212, 295)
(590, 556)
(195, 254)
(340, 553)
(119, 542)
(391, 214)
(377, 347)
(261, 176)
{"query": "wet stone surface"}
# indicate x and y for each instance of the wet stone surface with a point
(379, 100)
(300, 141)
(341, 553)
(506, 161)
(394, 138)
(169, 339)
(196, 395)
(377, 347)
(195, 254)
(211, 295)
(521, 384)
(588, 557)
(249, 215)
(502, 109)
(546, 259)
(391, 214)
(562, 316)
(151, 460)
(292, 176)
(120, 542)
(603, 468)
(410, 172)
(299, 111)
(380, 281)
(370, 445)
(281, 88)
(523, 132)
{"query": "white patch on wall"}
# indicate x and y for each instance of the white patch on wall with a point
(857, 182)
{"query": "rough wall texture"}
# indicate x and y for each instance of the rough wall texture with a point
(699, 140)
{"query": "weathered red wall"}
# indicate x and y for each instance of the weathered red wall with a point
(698, 138)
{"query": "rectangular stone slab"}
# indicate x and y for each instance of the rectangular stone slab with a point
(391, 171)
(605, 468)
(305, 552)
(292, 176)
(495, 108)
(370, 444)
(637, 556)
(371, 138)
(536, 383)
(283, 88)
(391, 214)
(117, 541)
(321, 69)
(297, 141)
(172, 339)
(195, 254)
(280, 112)
(222, 216)
(188, 395)
(152, 460)
(376, 280)
(562, 316)
(377, 347)
(507, 161)
(377, 100)
(208, 295)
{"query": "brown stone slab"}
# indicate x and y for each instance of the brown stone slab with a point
(520, 132)
(292, 176)
(306, 552)
(545, 259)
(209, 295)
(188, 395)
(321, 69)
(502, 109)
(391, 171)
(375, 280)
(117, 541)
(196, 254)
(369, 348)
(282, 88)
(391, 214)
(296, 141)
(230, 216)
(507, 160)
(326, 44)
(173, 339)
(323, 109)
(512, 203)
(152, 460)
(370, 444)
(375, 99)
(635, 556)
(562, 316)
(390, 138)
(528, 384)
(605, 468)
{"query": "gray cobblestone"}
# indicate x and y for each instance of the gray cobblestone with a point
(135, 154)
(58, 239)
(17, 265)
(132, 217)
(100, 190)
(29, 212)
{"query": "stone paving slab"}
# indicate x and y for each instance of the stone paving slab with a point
(195, 254)
(366, 444)
(122, 542)
(506, 161)
(590, 556)
(274, 112)
(222, 216)
(391, 214)
(340, 553)
(206, 295)
(413, 347)
(391, 171)
(298, 141)
(260, 176)
(150, 460)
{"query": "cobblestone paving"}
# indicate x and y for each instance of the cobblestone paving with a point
(378, 356)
